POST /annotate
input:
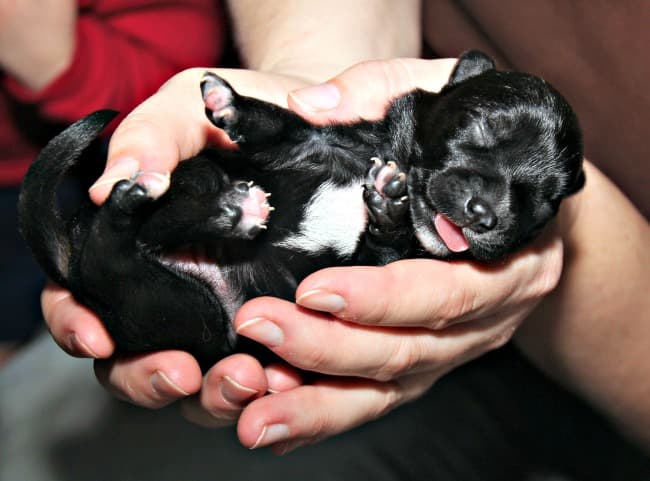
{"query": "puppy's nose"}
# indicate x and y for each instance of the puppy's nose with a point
(479, 215)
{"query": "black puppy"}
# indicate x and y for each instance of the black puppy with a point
(475, 170)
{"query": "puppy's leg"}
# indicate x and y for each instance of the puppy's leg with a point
(203, 204)
(143, 303)
(249, 122)
(388, 235)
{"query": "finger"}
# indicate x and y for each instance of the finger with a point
(365, 90)
(75, 328)
(227, 387)
(167, 127)
(150, 380)
(231, 385)
(320, 343)
(171, 126)
(431, 293)
(330, 406)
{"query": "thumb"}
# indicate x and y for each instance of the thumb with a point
(365, 90)
(167, 127)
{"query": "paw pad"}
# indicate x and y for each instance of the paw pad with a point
(386, 179)
(218, 98)
(254, 206)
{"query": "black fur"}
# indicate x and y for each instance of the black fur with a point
(495, 152)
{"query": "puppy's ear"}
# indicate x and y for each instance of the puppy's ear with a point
(470, 64)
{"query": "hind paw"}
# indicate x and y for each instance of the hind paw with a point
(219, 98)
(244, 210)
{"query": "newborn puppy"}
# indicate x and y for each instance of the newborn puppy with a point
(474, 171)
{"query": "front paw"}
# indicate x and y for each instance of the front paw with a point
(219, 99)
(385, 196)
(130, 195)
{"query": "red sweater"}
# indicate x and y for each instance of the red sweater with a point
(125, 50)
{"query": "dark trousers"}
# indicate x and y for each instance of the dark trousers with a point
(21, 279)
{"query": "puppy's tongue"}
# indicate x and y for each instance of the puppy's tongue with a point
(450, 234)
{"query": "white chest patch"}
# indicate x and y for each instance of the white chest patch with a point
(334, 218)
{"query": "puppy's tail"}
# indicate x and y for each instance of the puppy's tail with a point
(39, 216)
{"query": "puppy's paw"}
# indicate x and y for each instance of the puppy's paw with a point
(245, 209)
(385, 195)
(219, 99)
(141, 189)
(386, 178)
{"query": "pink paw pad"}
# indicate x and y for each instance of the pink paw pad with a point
(218, 100)
(255, 208)
(387, 173)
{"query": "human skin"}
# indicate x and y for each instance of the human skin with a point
(36, 54)
(403, 345)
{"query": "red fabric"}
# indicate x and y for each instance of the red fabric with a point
(125, 50)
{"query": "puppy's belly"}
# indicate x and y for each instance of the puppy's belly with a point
(216, 277)
(334, 219)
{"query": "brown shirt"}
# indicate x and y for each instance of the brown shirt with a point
(596, 52)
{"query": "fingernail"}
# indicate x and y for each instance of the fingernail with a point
(156, 183)
(122, 169)
(79, 347)
(233, 392)
(271, 434)
(318, 98)
(164, 386)
(262, 330)
(321, 300)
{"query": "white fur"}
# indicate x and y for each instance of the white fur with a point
(334, 218)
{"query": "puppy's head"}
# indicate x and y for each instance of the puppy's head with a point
(500, 150)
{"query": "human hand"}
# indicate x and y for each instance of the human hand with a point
(167, 127)
(37, 39)
(383, 335)
(390, 359)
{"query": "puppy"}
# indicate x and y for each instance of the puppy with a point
(474, 171)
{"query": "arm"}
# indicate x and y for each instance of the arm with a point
(36, 39)
(112, 56)
(593, 332)
(315, 40)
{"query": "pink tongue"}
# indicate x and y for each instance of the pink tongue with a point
(450, 234)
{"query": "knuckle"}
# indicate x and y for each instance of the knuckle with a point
(128, 390)
(547, 274)
(460, 301)
(399, 361)
(323, 422)
(550, 276)
(391, 398)
(313, 358)
(501, 338)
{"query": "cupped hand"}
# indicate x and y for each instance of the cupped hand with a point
(382, 336)
(168, 127)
